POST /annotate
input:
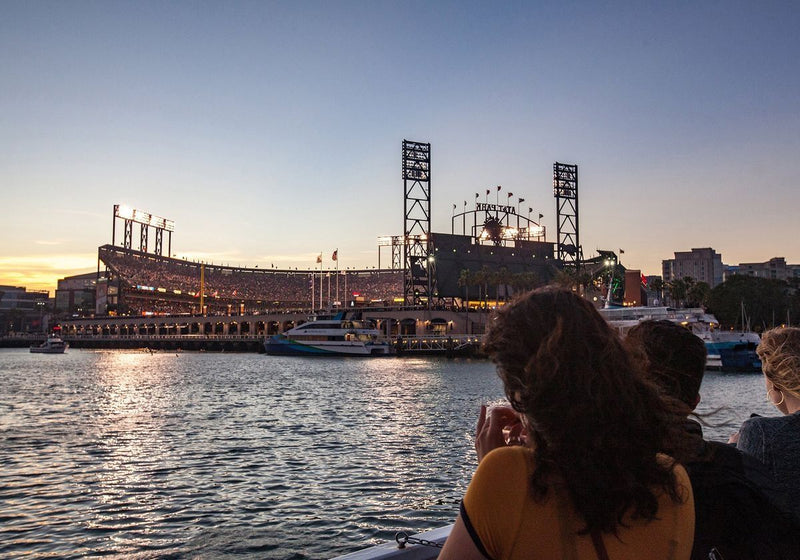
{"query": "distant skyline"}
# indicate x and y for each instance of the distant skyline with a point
(271, 132)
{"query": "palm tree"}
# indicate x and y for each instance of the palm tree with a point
(465, 278)
(583, 280)
(522, 281)
(503, 278)
(697, 294)
(677, 291)
(485, 278)
(564, 278)
(657, 285)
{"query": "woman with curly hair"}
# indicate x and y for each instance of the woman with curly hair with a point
(775, 441)
(591, 479)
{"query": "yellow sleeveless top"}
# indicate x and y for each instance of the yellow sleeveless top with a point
(507, 524)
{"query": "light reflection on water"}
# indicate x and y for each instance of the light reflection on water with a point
(212, 455)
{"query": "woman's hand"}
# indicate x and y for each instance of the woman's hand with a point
(499, 427)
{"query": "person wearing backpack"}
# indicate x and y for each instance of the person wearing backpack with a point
(740, 510)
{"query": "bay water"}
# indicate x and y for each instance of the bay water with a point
(135, 454)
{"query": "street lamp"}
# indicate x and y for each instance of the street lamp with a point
(613, 264)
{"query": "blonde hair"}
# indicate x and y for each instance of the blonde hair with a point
(780, 358)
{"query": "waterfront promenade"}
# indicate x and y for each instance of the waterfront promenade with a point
(411, 330)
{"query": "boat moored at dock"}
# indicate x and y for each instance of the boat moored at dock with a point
(52, 345)
(726, 350)
(336, 336)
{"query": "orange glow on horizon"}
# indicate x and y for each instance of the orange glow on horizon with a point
(42, 272)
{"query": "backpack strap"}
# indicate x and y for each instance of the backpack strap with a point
(599, 545)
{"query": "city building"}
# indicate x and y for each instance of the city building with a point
(22, 310)
(20, 299)
(702, 265)
(635, 294)
(654, 292)
(76, 295)
(773, 269)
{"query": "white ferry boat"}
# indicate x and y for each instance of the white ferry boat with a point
(53, 345)
(726, 350)
(336, 336)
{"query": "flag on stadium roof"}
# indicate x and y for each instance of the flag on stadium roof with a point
(335, 255)
(319, 258)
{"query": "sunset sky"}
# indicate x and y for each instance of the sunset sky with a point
(271, 131)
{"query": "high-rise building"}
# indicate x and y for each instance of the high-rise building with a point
(702, 265)
(773, 269)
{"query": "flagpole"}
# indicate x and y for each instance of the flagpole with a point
(508, 220)
(337, 275)
(475, 216)
(320, 281)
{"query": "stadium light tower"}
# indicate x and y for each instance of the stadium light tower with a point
(418, 268)
(129, 216)
(565, 190)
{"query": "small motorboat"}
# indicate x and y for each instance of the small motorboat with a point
(53, 345)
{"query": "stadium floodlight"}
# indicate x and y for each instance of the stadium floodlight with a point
(123, 211)
(141, 217)
(146, 220)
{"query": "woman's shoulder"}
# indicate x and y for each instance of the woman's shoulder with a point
(770, 424)
(510, 456)
(497, 481)
(760, 433)
(504, 463)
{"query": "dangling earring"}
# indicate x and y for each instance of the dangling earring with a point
(769, 398)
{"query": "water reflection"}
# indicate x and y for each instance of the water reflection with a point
(129, 416)
(215, 455)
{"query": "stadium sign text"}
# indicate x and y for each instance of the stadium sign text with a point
(486, 207)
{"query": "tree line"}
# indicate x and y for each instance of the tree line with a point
(739, 302)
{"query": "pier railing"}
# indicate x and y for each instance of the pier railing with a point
(411, 344)
(437, 344)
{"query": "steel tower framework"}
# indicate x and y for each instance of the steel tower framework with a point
(418, 266)
(396, 244)
(565, 190)
(129, 216)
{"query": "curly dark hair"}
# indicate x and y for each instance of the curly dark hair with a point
(595, 421)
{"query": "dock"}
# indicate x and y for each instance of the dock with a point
(451, 346)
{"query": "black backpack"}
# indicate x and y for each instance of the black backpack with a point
(734, 517)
